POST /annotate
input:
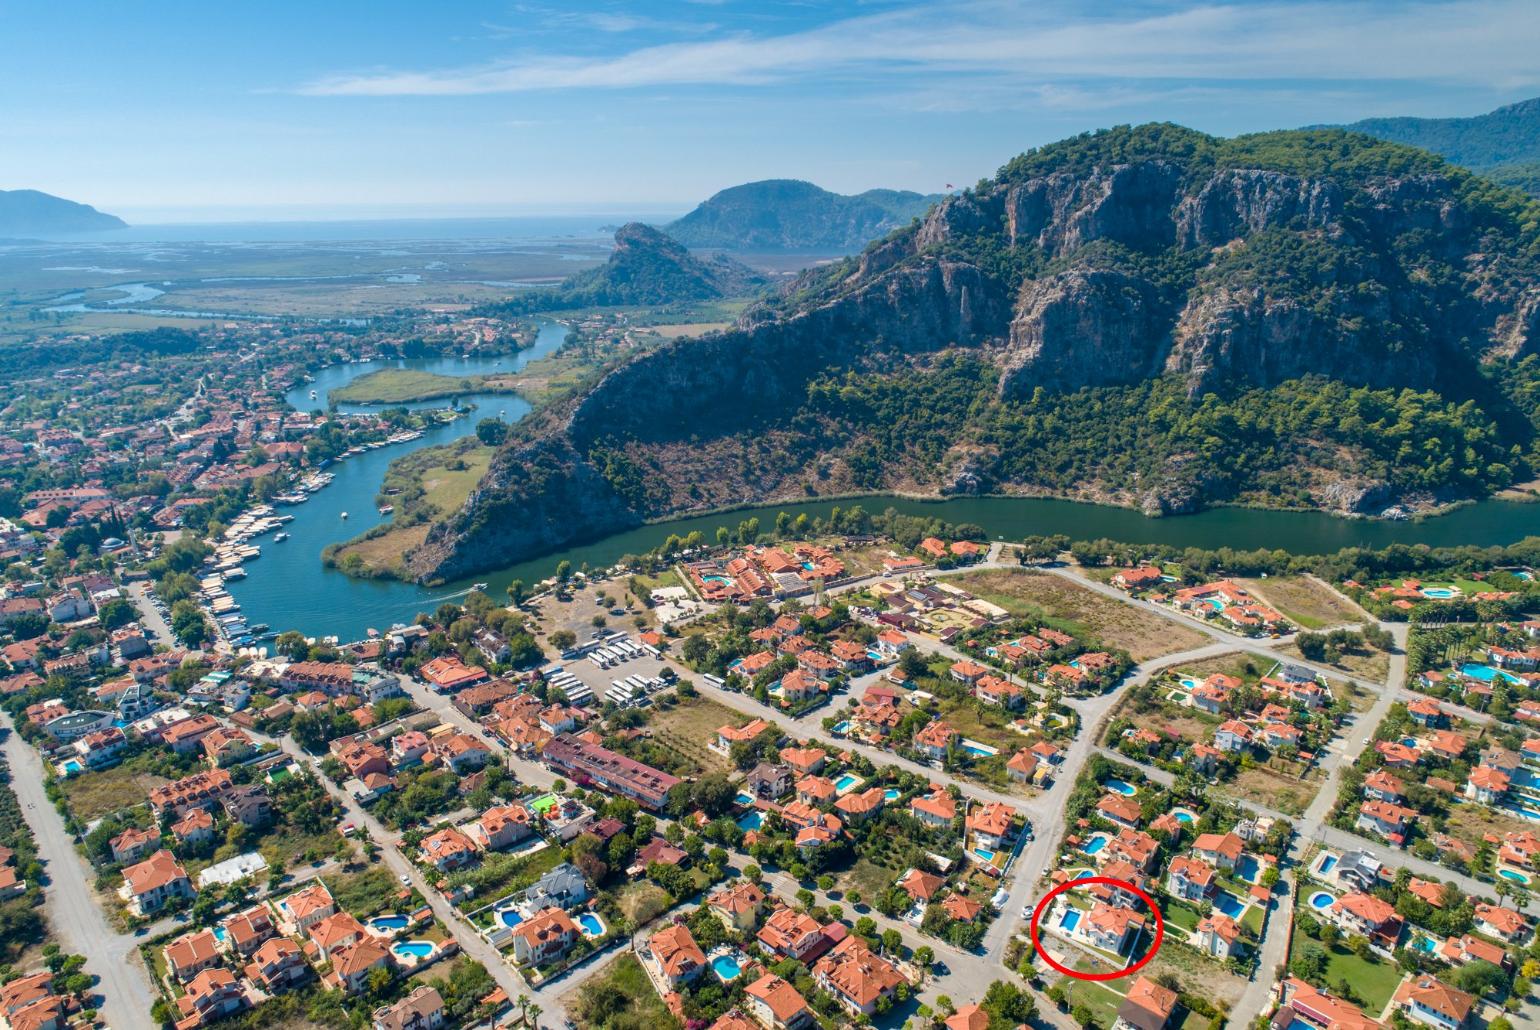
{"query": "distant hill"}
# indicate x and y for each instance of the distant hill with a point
(646, 267)
(1503, 144)
(792, 215)
(30, 212)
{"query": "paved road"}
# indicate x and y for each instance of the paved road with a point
(76, 919)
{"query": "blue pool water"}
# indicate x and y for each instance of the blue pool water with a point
(73, 766)
(1424, 945)
(751, 820)
(840, 728)
(1441, 593)
(1128, 790)
(1183, 816)
(1409, 741)
(413, 949)
(1229, 904)
(1321, 901)
(1189, 682)
(219, 934)
(1095, 844)
(1516, 877)
(1070, 919)
(591, 924)
(712, 577)
(389, 924)
(1246, 868)
(978, 750)
(1328, 864)
(984, 853)
(891, 794)
(744, 799)
(846, 781)
(726, 968)
(509, 917)
(1487, 673)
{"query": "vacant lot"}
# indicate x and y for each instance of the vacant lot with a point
(95, 794)
(1472, 823)
(1274, 788)
(1364, 663)
(1235, 664)
(691, 725)
(1076, 609)
(619, 997)
(1306, 602)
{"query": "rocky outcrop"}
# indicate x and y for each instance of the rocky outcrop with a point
(1105, 262)
(1083, 328)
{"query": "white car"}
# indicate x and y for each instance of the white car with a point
(406, 879)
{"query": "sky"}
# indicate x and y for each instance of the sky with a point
(180, 111)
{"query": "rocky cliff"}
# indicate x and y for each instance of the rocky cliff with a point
(1145, 315)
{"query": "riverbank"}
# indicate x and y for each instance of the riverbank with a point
(421, 486)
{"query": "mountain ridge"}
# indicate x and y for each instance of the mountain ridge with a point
(1502, 144)
(793, 215)
(1147, 316)
(28, 212)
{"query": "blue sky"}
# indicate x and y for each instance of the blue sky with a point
(199, 111)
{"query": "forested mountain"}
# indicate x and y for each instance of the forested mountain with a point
(646, 267)
(32, 213)
(1503, 144)
(792, 215)
(1148, 316)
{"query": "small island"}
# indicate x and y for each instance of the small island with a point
(404, 385)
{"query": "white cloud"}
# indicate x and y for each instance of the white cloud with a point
(1490, 43)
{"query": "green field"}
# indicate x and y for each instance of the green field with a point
(404, 385)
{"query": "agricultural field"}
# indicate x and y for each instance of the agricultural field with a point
(1075, 609)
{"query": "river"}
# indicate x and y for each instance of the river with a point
(288, 588)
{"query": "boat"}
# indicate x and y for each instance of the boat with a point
(344, 514)
(478, 586)
(386, 509)
(260, 627)
(312, 395)
(280, 538)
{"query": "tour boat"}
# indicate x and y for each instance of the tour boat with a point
(386, 509)
(280, 538)
(344, 514)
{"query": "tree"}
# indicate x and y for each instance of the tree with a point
(563, 571)
(562, 639)
(1008, 1005)
(492, 432)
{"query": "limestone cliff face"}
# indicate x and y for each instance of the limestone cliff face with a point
(1090, 265)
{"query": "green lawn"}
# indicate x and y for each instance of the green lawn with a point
(1181, 914)
(1252, 920)
(1102, 1002)
(1372, 981)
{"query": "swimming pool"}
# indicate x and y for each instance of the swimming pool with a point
(891, 794)
(726, 968)
(1183, 816)
(219, 934)
(1128, 790)
(388, 924)
(1328, 863)
(1321, 901)
(1229, 904)
(1487, 673)
(847, 781)
(751, 820)
(1189, 682)
(984, 853)
(1095, 844)
(414, 950)
(744, 799)
(591, 924)
(73, 766)
(1424, 945)
(1070, 919)
(978, 750)
(509, 917)
(1246, 868)
(840, 728)
(1515, 876)
(1440, 593)
(712, 577)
